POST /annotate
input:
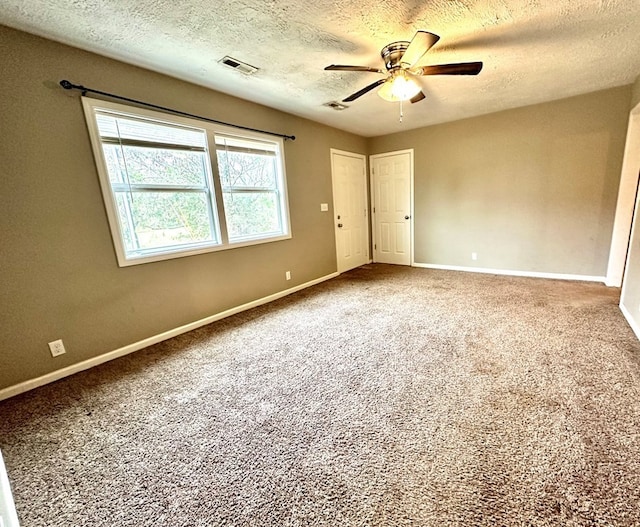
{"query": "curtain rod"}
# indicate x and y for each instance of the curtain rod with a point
(70, 86)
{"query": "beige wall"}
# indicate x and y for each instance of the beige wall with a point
(58, 268)
(532, 189)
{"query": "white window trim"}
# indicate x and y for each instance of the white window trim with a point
(90, 105)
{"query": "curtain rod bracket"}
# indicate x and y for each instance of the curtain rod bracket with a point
(70, 86)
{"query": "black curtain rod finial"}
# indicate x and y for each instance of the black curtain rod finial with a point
(67, 85)
(70, 86)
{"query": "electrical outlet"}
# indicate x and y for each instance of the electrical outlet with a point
(474, 256)
(287, 275)
(57, 348)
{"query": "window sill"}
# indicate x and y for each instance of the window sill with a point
(127, 261)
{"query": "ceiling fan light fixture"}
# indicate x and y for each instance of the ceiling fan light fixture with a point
(400, 87)
(400, 59)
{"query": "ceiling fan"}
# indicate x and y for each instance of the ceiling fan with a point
(400, 60)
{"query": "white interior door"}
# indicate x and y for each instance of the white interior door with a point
(350, 209)
(392, 176)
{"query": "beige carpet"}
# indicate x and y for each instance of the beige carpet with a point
(389, 396)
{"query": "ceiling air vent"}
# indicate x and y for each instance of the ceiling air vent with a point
(237, 65)
(335, 105)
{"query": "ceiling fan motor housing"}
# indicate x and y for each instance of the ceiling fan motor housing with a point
(392, 54)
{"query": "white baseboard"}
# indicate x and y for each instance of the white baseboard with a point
(634, 325)
(530, 274)
(25, 386)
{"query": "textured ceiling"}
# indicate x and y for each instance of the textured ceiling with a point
(533, 50)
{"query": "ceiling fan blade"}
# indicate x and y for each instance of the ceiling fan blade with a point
(463, 68)
(418, 98)
(340, 67)
(364, 90)
(421, 42)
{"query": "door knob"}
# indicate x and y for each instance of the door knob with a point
(407, 217)
(339, 225)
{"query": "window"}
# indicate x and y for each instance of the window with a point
(250, 189)
(168, 195)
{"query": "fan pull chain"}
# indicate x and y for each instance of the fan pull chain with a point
(401, 114)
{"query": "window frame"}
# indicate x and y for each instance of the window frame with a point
(253, 149)
(216, 205)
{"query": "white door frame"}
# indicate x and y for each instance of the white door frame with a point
(366, 201)
(624, 216)
(411, 205)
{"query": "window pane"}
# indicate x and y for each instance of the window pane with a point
(140, 129)
(160, 166)
(251, 214)
(163, 219)
(242, 170)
